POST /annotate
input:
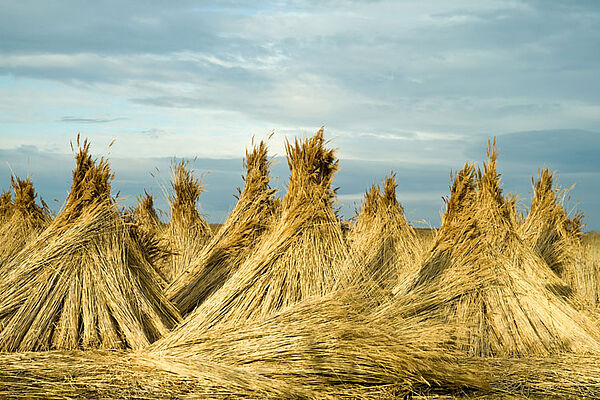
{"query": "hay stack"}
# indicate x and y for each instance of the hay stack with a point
(385, 244)
(25, 220)
(85, 282)
(551, 233)
(235, 240)
(302, 255)
(187, 232)
(519, 308)
(146, 217)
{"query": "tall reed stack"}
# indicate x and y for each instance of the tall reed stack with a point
(520, 307)
(187, 232)
(302, 255)
(385, 245)
(85, 282)
(24, 221)
(234, 241)
(553, 235)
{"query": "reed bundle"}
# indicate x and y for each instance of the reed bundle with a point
(85, 281)
(302, 255)
(187, 232)
(589, 269)
(236, 239)
(385, 245)
(5, 206)
(551, 233)
(24, 221)
(146, 217)
(365, 218)
(523, 308)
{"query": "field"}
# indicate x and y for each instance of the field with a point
(287, 300)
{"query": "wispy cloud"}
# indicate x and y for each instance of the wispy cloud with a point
(89, 120)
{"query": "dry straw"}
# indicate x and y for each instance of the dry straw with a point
(302, 255)
(119, 375)
(187, 232)
(365, 218)
(329, 345)
(384, 244)
(24, 221)
(236, 239)
(85, 281)
(566, 376)
(552, 234)
(146, 216)
(5, 206)
(324, 347)
(589, 269)
(521, 308)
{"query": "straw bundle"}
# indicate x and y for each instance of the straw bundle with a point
(187, 232)
(462, 198)
(589, 269)
(550, 232)
(146, 217)
(522, 309)
(365, 218)
(5, 206)
(386, 245)
(85, 281)
(302, 255)
(24, 222)
(235, 240)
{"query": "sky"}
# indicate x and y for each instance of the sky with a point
(414, 87)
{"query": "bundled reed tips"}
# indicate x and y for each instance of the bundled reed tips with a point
(385, 245)
(24, 219)
(187, 232)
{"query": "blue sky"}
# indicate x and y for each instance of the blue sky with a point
(411, 86)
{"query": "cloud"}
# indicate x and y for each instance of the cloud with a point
(82, 120)
(415, 87)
